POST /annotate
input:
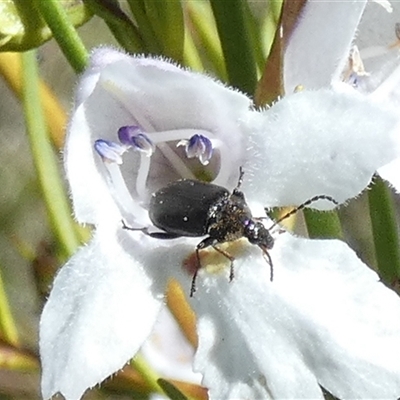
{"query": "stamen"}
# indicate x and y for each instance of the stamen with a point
(157, 137)
(176, 162)
(177, 134)
(198, 146)
(123, 196)
(355, 68)
(162, 137)
(135, 137)
(109, 151)
(141, 179)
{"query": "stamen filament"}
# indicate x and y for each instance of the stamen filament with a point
(177, 134)
(143, 173)
(177, 163)
(121, 193)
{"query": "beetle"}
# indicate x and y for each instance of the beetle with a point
(192, 208)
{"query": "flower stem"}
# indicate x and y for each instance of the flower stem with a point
(191, 56)
(145, 28)
(385, 231)
(200, 17)
(323, 224)
(64, 33)
(123, 29)
(8, 329)
(171, 390)
(44, 159)
(146, 372)
(232, 25)
(163, 15)
(10, 69)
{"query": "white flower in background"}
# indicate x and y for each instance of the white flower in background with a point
(380, 52)
(321, 55)
(325, 320)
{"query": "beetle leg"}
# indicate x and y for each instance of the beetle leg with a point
(208, 241)
(161, 235)
(229, 257)
(193, 285)
(145, 230)
(203, 244)
(131, 228)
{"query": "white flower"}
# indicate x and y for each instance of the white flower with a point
(321, 55)
(380, 52)
(168, 351)
(325, 320)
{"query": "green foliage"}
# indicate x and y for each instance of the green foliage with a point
(22, 26)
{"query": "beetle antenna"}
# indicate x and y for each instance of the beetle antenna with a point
(304, 205)
(240, 180)
(269, 261)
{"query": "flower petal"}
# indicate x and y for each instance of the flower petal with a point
(318, 49)
(168, 351)
(167, 97)
(92, 200)
(99, 313)
(324, 320)
(379, 51)
(162, 97)
(155, 95)
(99, 59)
(314, 143)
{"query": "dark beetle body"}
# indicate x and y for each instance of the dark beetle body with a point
(182, 207)
(193, 208)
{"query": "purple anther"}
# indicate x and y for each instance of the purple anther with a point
(198, 146)
(109, 151)
(134, 136)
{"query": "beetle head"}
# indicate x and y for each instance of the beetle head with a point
(256, 233)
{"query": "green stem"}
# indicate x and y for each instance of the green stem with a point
(166, 19)
(200, 18)
(8, 329)
(232, 26)
(323, 225)
(123, 29)
(64, 33)
(171, 390)
(149, 37)
(385, 230)
(191, 57)
(44, 158)
(254, 30)
(146, 372)
(269, 25)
